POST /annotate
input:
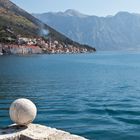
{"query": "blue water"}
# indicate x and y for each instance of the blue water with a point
(93, 95)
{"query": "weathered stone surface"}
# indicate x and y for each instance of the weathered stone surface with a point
(35, 132)
(22, 111)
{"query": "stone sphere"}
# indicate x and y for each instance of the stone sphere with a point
(22, 111)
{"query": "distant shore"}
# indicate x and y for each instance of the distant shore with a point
(26, 46)
(12, 49)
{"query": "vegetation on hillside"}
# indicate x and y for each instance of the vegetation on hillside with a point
(15, 21)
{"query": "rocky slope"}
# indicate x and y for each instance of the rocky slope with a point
(118, 32)
(16, 23)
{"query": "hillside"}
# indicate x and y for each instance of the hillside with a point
(118, 32)
(16, 22)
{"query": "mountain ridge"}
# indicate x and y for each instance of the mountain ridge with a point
(118, 32)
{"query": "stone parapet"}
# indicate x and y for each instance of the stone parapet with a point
(35, 132)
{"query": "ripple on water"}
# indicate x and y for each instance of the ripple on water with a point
(95, 96)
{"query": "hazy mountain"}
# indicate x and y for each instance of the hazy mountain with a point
(15, 21)
(118, 32)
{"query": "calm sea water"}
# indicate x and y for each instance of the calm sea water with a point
(93, 95)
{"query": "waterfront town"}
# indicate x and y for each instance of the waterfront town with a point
(24, 45)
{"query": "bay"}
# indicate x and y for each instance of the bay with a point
(93, 95)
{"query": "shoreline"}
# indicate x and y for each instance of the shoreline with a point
(45, 54)
(41, 47)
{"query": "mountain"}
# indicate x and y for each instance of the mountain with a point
(70, 12)
(14, 22)
(118, 32)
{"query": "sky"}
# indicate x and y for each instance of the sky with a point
(89, 7)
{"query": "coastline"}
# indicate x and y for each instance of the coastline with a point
(24, 46)
(14, 49)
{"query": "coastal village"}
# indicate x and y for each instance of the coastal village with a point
(24, 45)
(12, 43)
(38, 46)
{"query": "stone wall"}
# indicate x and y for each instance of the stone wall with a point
(36, 132)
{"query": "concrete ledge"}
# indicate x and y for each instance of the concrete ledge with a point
(35, 132)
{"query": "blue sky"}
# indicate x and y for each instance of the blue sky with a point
(90, 7)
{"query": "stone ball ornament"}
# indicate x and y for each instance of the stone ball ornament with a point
(22, 111)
